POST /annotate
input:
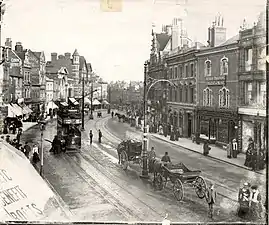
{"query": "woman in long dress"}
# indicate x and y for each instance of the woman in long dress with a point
(249, 152)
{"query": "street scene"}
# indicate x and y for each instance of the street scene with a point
(173, 131)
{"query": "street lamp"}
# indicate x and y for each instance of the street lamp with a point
(144, 152)
(42, 128)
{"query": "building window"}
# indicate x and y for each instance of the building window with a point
(224, 98)
(261, 94)
(186, 94)
(186, 71)
(207, 97)
(176, 73)
(224, 66)
(191, 95)
(180, 71)
(208, 66)
(180, 95)
(192, 70)
(248, 59)
(248, 93)
(176, 95)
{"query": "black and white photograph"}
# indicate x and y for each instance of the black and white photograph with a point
(134, 111)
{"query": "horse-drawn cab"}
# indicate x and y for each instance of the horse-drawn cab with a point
(129, 150)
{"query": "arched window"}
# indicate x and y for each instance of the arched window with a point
(207, 97)
(224, 66)
(208, 67)
(224, 98)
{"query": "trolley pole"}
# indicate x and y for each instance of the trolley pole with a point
(145, 138)
(82, 108)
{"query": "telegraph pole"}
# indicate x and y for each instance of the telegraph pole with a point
(267, 101)
(82, 116)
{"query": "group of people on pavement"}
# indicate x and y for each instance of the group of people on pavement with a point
(256, 160)
(250, 202)
(100, 135)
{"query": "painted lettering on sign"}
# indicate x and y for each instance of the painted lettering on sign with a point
(13, 200)
(215, 82)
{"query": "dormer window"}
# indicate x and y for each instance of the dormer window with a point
(224, 66)
(208, 66)
(224, 98)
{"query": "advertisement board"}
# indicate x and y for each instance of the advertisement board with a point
(24, 195)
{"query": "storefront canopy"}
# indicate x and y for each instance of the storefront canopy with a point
(73, 101)
(27, 109)
(14, 111)
(96, 102)
(105, 102)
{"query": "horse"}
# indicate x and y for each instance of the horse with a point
(155, 167)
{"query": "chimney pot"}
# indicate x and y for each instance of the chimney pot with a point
(18, 47)
(53, 57)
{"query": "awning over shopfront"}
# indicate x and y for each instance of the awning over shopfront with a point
(18, 108)
(73, 101)
(13, 111)
(30, 192)
(105, 102)
(87, 101)
(64, 104)
(96, 102)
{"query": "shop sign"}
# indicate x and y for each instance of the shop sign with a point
(215, 83)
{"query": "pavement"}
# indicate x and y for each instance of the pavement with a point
(227, 177)
(215, 153)
(94, 187)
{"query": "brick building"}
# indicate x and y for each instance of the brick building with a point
(252, 84)
(217, 118)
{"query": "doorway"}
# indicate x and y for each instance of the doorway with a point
(189, 125)
(231, 131)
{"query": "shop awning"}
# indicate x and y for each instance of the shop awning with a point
(96, 102)
(18, 109)
(13, 111)
(87, 101)
(27, 109)
(73, 101)
(52, 105)
(63, 103)
(105, 102)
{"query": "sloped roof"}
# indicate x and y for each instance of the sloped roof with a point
(54, 67)
(15, 71)
(75, 52)
(21, 54)
(162, 40)
(37, 54)
(82, 62)
(231, 40)
(89, 65)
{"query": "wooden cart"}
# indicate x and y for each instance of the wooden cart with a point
(129, 150)
(179, 175)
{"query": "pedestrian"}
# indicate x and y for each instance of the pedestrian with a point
(166, 159)
(206, 148)
(211, 197)
(91, 136)
(234, 148)
(255, 203)
(249, 152)
(243, 200)
(152, 153)
(112, 114)
(19, 135)
(229, 150)
(100, 136)
(27, 149)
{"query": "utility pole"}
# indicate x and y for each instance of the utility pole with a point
(91, 115)
(82, 116)
(145, 138)
(267, 99)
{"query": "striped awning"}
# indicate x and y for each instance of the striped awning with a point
(18, 109)
(74, 101)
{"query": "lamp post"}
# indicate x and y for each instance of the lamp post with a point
(82, 115)
(144, 155)
(42, 128)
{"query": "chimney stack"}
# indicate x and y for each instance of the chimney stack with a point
(61, 57)
(217, 32)
(18, 47)
(8, 43)
(67, 55)
(53, 57)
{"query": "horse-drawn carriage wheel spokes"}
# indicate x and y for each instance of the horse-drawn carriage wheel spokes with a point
(200, 187)
(124, 160)
(178, 190)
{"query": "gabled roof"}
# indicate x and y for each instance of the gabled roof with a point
(54, 67)
(82, 62)
(75, 52)
(162, 40)
(12, 55)
(21, 54)
(37, 54)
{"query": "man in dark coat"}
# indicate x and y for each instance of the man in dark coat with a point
(211, 197)
(91, 136)
(27, 149)
(100, 136)
(249, 152)
(206, 148)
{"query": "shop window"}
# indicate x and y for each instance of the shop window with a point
(208, 66)
(207, 97)
(224, 66)
(224, 98)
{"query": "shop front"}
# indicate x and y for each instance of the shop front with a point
(217, 126)
(252, 127)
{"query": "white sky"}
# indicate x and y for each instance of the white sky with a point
(116, 43)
